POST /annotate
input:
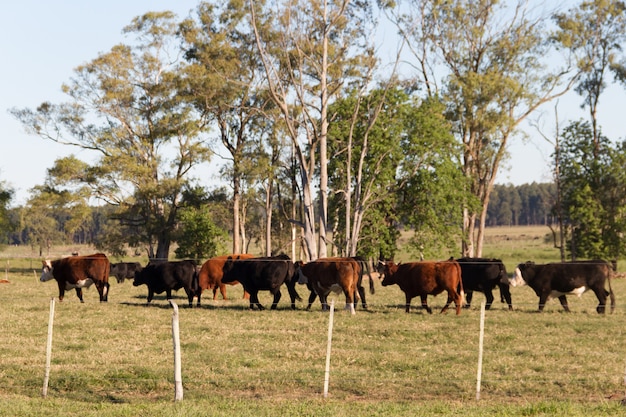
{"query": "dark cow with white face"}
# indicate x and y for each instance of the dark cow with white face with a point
(79, 272)
(124, 270)
(169, 276)
(558, 279)
(483, 275)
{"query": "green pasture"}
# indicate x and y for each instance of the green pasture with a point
(115, 358)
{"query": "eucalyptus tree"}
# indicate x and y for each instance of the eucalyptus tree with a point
(6, 195)
(226, 85)
(594, 32)
(125, 106)
(311, 51)
(489, 56)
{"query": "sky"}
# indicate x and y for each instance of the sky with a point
(43, 41)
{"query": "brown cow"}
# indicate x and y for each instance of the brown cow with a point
(79, 272)
(426, 278)
(332, 274)
(211, 273)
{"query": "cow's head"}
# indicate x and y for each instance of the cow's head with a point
(46, 271)
(139, 278)
(520, 273)
(389, 269)
(302, 279)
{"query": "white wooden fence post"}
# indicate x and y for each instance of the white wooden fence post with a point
(480, 350)
(178, 380)
(46, 377)
(328, 346)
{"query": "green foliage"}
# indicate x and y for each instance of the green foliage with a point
(198, 237)
(594, 192)
(6, 225)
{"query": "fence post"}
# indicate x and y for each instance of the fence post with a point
(480, 350)
(178, 381)
(328, 346)
(44, 391)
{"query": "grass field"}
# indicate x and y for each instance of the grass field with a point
(115, 359)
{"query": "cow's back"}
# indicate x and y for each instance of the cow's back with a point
(76, 268)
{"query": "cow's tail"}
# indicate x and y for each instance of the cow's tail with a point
(369, 274)
(611, 293)
(460, 287)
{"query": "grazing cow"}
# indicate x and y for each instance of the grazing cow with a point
(210, 275)
(361, 266)
(124, 270)
(426, 278)
(558, 279)
(263, 274)
(483, 275)
(167, 276)
(79, 272)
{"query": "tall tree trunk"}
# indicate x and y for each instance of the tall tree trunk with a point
(236, 211)
(323, 214)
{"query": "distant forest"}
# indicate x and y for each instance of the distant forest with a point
(521, 205)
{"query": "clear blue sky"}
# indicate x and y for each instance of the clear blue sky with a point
(43, 41)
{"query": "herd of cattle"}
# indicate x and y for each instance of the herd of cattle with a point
(457, 277)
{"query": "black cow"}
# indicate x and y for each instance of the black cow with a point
(557, 279)
(124, 270)
(263, 274)
(167, 276)
(483, 275)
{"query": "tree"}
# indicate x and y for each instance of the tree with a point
(125, 106)
(198, 237)
(365, 154)
(6, 195)
(225, 85)
(310, 51)
(593, 32)
(494, 77)
(593, 191)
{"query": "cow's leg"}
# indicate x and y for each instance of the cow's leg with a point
(215, 287)
(563, 300)
(150, 296)
(407, 303)
(61, 290)
(601, 293)
(362, 295)
(505, 293)
(452, 295)
(468, 298)
(489, 297)
(277, 296)
(254, 300)
(104, 295)
(199, 295)
(312, 297)
(424, 300)
(79, 293)
(543, 299)
(190, 295)
(223, 291)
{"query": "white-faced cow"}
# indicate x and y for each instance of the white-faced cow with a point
(210, 275)
(169, 276)
(483, 275)
(79, 272)
(426, 278)
(332, 274)
(124, 270)
(558, 279)
(263, 274)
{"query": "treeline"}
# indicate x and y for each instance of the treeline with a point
(522, 205)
